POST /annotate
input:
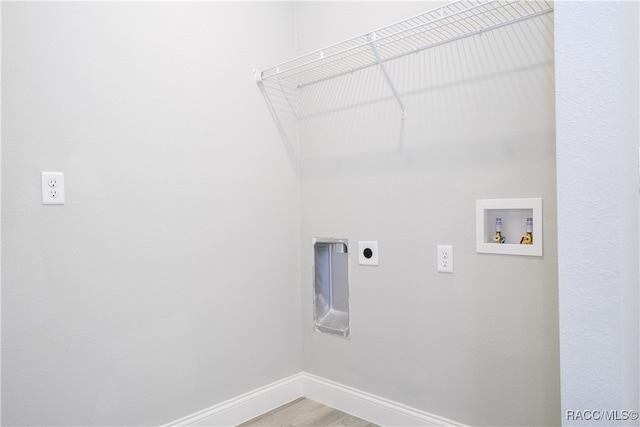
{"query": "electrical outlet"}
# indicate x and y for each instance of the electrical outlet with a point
(445, 258)
(52, 188)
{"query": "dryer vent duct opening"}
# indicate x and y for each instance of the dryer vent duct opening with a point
(331, 286)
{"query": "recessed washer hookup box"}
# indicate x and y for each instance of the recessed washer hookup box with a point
(331, 286)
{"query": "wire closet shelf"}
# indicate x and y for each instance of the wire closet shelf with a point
(455, 21)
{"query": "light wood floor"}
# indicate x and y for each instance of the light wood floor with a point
(306, 413)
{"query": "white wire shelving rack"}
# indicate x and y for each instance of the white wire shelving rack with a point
(454, 21)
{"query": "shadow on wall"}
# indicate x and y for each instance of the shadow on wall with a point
(282, 101)
(474, 92)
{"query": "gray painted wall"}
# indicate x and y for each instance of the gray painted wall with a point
(169, 281)
(598, 113)
(479, 346)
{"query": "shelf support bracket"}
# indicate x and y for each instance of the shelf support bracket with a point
(371, 39)
(257, 75)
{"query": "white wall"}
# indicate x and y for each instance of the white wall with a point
(479, 346)
(0, 220)
(168, 282)
(597, 105)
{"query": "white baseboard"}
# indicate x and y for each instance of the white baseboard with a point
(367, 406)
(364, 405)
(246, 406)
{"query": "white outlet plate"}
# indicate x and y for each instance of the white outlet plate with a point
(445, 258)
(368, 253)
(52, 188)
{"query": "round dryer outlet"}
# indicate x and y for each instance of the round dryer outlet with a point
(368, 253)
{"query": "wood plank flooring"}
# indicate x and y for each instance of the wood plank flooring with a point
(306, 413)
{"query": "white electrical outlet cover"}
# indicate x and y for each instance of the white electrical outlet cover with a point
(52, 188)
(445, 258)
(368, 253)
